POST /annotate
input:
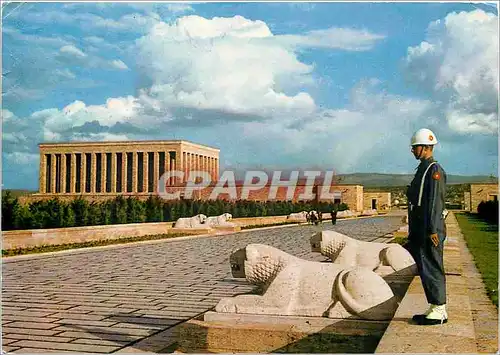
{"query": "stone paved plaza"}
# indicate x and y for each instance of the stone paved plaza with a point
(103, 300)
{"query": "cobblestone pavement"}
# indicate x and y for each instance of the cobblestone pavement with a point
(104, 300)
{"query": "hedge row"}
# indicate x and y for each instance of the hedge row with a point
(79, 212)
(488, 210)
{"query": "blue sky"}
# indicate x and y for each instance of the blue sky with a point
(337, 86)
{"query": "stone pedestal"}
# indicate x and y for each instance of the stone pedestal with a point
(226, 229)
(193, 231)
(240, 333)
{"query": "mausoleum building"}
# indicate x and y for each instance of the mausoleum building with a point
(121, 167)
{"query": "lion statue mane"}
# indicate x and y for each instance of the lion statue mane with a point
(383, 258)
(297, 287)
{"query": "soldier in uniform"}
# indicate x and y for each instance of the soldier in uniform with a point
(427, 229)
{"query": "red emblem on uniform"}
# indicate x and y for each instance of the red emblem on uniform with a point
(431, 138)
(436, 176)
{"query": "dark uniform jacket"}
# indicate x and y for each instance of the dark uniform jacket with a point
(426, 202)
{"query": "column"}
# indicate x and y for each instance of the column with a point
(93, 172)
(216, 168)
(63, 173)
(113, 172)
(104, 168)
(53, 172)
(211, 167)
(145, 172)
(42, 178)
(72, 187)
(207, 167)
(83, 175)
(135, 156)
(172, 156)
(156, 169)
(168, 167)
(124, 172)
(176, 165)
(184, 164)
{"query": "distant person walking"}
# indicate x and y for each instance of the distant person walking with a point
(427, 229)
(314, 218)
(334, 214)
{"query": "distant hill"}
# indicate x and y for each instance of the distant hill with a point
(388, 180)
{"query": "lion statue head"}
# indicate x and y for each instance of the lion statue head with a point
(258, 263)
(330, 244)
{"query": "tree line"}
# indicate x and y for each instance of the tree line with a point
(56, 213)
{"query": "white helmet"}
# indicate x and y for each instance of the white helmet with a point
(424, 136)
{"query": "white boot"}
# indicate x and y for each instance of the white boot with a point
(438, 312)
(423, 315)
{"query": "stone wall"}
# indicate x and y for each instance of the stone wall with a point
(466, 201)
(482, 192)
(352, 195)
(383, 200)
(37, 237)
(55, 236)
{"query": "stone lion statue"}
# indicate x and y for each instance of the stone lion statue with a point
(191, 222)
(371, 212)
(298, 287)
(300, 216)
(222, 220)
(347, 213)
(382, 258)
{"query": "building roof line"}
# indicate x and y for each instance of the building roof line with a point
(144, 142)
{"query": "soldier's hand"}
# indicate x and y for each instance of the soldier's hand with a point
(435, 239)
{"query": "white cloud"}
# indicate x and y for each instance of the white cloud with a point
(334, 38)
(37, 65)
(234, 65)
(118, 64)
(64, 73)
(356, 138)
(72, 50)
(34, 39)
(20, 158)
(7, 115)
(178, 8)
(100, 137)
(458, 64)
(132, 22)
(463, 122)
(123, 109)
(202, 72)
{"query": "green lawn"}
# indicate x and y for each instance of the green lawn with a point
(482, 241)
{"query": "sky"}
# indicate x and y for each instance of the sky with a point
(326, 86)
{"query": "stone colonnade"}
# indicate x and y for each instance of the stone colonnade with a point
(99, 172)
